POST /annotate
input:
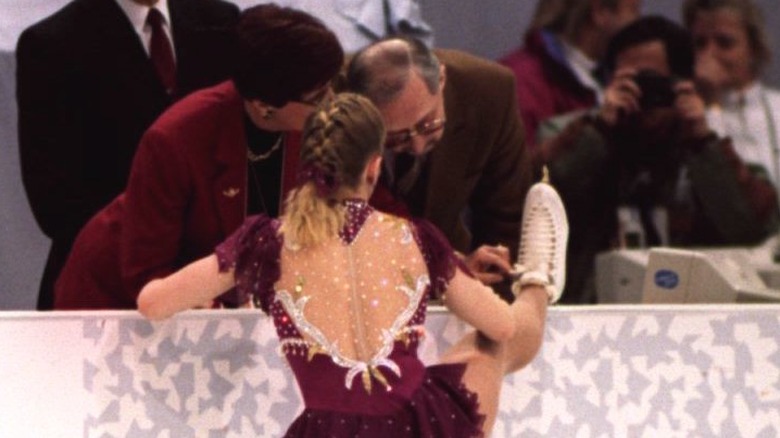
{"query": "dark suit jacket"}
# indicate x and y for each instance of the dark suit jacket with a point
(478, 174)
(186, 193)
(86, 92)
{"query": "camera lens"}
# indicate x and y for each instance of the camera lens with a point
(657, 89)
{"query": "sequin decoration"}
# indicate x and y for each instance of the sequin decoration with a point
(357, 211)
(351, 304)
(352, 308)
(295, 308)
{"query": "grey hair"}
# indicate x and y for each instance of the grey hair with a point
(381, 71)
(752, 20)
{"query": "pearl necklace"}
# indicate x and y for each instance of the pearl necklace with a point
(254, 158)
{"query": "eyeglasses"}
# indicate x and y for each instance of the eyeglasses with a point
(400, 138)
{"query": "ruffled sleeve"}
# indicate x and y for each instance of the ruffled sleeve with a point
(439, 256)
(253, 250)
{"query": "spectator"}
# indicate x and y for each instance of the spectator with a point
(211, 159)
(87, 89)
(732, 51)
(556, 68)
(647, 161)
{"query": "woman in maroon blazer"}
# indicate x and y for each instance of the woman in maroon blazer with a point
(211, 159)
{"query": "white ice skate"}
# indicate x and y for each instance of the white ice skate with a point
(541, 259)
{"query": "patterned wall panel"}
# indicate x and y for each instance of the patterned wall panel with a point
(602, 372)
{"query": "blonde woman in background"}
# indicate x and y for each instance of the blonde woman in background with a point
(732, 51)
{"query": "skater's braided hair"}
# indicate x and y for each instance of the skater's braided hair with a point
(339, 139)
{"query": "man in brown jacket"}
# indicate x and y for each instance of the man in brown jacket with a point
(456, 148)
(455, 155)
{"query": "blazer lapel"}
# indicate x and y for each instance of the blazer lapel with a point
(185, 38)
(116, 42)
(229, 187)
(450, 159)
(203, 51)
(230, 184)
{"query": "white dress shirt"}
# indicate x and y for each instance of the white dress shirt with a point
(751, 118)
(583, 67)
(137, 13)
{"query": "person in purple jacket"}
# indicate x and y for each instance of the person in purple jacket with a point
(556, 68)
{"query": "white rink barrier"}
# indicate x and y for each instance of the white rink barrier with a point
(603, 371)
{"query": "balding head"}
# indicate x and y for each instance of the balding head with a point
(382, 71)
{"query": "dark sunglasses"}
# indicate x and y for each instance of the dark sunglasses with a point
(399, 138)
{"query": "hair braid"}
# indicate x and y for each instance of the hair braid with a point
(339, 139)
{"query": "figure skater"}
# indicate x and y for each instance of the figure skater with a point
(347, 288)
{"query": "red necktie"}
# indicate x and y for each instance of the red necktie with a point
(160, 51)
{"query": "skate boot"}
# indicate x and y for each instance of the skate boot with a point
(541, 258)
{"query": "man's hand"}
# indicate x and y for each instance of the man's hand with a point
(692, 110)
(489, 264)
(621, 97)
(711, 76)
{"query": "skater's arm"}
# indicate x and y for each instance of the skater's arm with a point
(530, 310)
(195, 284)
(479, 306)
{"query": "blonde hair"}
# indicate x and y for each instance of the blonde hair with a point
(339, 139)
(566, 17)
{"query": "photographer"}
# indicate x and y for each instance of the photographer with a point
(644, 169)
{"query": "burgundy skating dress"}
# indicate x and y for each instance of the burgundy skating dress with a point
(349, 314)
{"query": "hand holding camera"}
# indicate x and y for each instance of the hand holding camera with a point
(711, 76)
(632, 91)
(621, 97)
(691, 109)
(657, 90)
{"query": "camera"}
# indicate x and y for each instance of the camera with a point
(657, 89)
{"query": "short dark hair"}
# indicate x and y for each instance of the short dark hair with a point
(283, 53)
(381, 70)
(677, 43)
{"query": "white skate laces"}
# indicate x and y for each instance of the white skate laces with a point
(541, 258)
